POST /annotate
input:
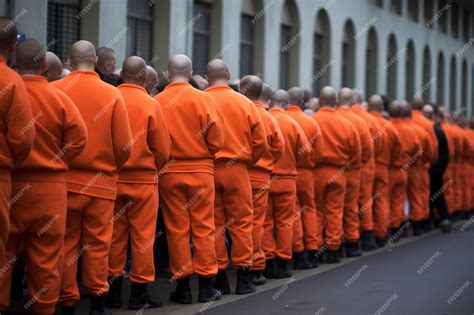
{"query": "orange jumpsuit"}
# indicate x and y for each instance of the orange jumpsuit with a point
(410, 148)
(351, 224)
(471, 167)
(15, 141)
(305, 223)
(448, 178)
(92, 183)
(38, 215)
(244, 144)
(187, 181)
(260, 181)
(282, 196)
(458, 164)
(466, 174)
(136, 206)
(368, 170)
(391, 150)
(342, 152)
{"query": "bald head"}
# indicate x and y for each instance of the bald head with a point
(406, 109)
(428, 111)
(217, 72)
(280, 99)
(357, 97)
(133, 70)
(82, 55)
(201, 82)
(107, 61)
(327, 97)
(251, 86)
(417, 103)
(151, 79)
(30, 57)
(54, 67)
(180, 68)
(345, 97)
(375, 104)
(313, 104)
(394, 109)
(8, 33)
(296, 96)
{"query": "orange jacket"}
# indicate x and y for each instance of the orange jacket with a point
(61, 133)
(296, 144)
(391, 148)
(458, 142)
(426, 144)
(341, 140)
(410, 143)
(374, 127)
(448, 131)
(94, 171)
(195, 128)
(244, 133)
(275, 141)
(365, 137)
(17, 130)
(151, 143)
(312, 132)
(427, 125)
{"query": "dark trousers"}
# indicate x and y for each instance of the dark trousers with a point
(437, 199)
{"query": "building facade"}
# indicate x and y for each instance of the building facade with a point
(400, 48)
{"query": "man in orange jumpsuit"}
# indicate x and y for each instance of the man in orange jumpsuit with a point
(136, 206)
(410, 147)
(92, 179)
(244, 144)
(341, 153)
(252, 87)
(54, 67)
(351, 224)
(282, 197)
(390, 152)
(305, 222)
(368, 173)
(458, 165)
(187, 181)
(471, 162)
(38, 212)
(15, 112)
(448, 177)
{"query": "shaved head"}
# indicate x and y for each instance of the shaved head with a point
(296, 96)
(313, 104)
(394, 109)
(345, 96)
(107, 61)
(30, 57)
(375, 104)
(417, 103)
(406, 109)
(151, 79)
(357, 97)
(54, 67)
(251, 86)
(134, 70)
(82, 55)
(217, 72)
(428, 111)
(180, 68)
(327, 97)
(201, 82)
(266, 94)
(280, 99)
(8, 33)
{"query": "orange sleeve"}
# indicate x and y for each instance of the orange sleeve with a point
(75, 130)
(318, 143)
(367, 144)
(428, 147)
(158, 139)
(259, 141)
(277, 144)
(212, 123)
(355, 152)
(20, 133)
(304, 152)
(396, 145)
(122, 140)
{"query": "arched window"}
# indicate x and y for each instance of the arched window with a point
(251, 37)
(413, 10)
(321, 52)
(440, 76)
(410, 71)
(427, 79)
(348, 55)
(396, 6)
(391, 67)
(464, 84)
(371, 63)
(453, 74)
(290, 42)
(202, 16)
(140, 23)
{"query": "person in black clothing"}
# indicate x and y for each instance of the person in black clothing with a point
(106, 65)
(437, 187)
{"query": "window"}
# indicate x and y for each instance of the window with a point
(410, 72)
(348, 52)
(442, 8)
(285, 57)
(464, 84)
(247, 44)
(455, 20)
(452, 84)
(139, 36)
(427, 80)
(371, 63)
(413, 10)
(201, 36)
(428, 14)
(63, 25)
(391, 67)
(321, 52)
(465, 25)
(440, 80)
(396, 6)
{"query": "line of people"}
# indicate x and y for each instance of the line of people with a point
(244, 178)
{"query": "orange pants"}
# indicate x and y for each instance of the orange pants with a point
(5, 194)
(398, 194)
(260, 182)
(457, 185)
(280, 211)
(365, 195)
(425, 191)
(466, 186)
(415, 193)
(351, 221)
(135, 212)
(330, 191)
(304, 222)
(448, 181)
(38, 221)
(381, 201)
(88, 237)
(188, 212)
(233, 211)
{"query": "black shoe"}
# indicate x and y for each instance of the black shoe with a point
(381, 242)
(98, 306)
(313, 258)
(269, 271)
(244, 285)
(417, 228)
(114, 297)
(140, 299)
(257, 278)
(394, 235)
(426, 225)
(368, 240)
(446, 226)
(333, 257)
(282, 270)
(207, 293)
(322, 256)
(352, 249)
(340, 251)
(403, 230)
(68, 310)
(182, 294)
(222, 282)
(300, 262)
